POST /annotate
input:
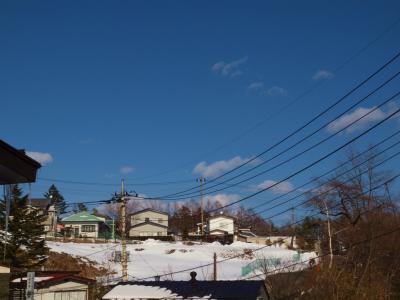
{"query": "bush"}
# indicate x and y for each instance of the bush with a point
(170, 251)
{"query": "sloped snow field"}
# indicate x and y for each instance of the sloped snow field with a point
(151, 257)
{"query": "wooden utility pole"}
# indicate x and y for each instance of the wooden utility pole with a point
(124, 259)
(215, 266)
(293, 229)
(329, 234)
(201, 180)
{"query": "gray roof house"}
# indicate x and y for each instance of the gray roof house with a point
(148, 223)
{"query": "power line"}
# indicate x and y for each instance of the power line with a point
(299, 142)
(334, 169)
(293, 133)
(114, 184)
(313, 163)
(288, 105)
(326, 254)
(297, 172)
(253, 250)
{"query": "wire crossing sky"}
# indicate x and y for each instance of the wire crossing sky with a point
(162, 93)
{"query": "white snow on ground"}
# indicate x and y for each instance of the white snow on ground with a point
(151, 257)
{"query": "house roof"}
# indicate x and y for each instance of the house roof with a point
(148, 209)
(82, 216)
(148, 223)
(42, 203)
(240, 289)
(43, 279)
(16, 166)
(222, 216)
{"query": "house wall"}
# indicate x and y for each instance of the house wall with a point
(222, 223)
(66, 290)
(148, 230)
(4, 281)
(94, 234)
(153, 216)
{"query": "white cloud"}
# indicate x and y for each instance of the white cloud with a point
(323, 74)
(223, 199)
(41, 157)
(230, 68)
(256, 86)
(276, 91)
(236, 74)
(345, 120)
(218, 167)
(126, 169)
(281, 188)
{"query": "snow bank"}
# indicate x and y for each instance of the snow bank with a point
(154, 257)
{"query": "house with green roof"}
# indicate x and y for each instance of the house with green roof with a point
(86, 225)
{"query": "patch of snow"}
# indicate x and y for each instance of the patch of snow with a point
(154, 258)
(139, 291)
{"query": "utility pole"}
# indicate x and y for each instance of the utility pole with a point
(329, 233)
(201, 180)
(215, 266)
(293, 228)
(7, 197)
(124, 260)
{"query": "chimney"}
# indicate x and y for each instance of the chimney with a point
(157, 278)
(193, 281)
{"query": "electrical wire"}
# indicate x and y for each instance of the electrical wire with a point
(182, 196)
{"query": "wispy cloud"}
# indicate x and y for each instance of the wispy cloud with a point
(126, 169)
(41, 157)
(281, 188)
(349, 118)
(219, 167)
(256, 86)
(87, 141)
(323, 74)
(223, 199)
(230, 68)
(276, 91)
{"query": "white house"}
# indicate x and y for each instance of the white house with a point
(221, 225)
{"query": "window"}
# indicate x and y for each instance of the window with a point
(160, 220)
(88, 228)
(147, 219)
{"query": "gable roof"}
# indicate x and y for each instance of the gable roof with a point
(82, 216)
(222, 216)
(41, 203)
(149, 209)
(148, 223)
(239, 289)
(48, 278)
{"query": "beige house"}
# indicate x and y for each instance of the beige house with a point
(44, 207)
(148, 223)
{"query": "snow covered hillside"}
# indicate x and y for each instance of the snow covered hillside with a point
(150, 258)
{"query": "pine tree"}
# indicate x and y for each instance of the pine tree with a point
(80, 207)
(26, 247)
(56, 199)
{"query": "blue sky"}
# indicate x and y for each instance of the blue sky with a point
(147, 90)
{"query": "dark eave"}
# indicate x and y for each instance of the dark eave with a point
(16, 166)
